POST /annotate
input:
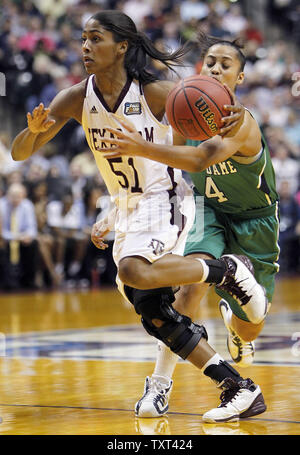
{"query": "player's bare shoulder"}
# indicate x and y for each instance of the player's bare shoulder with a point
(156, 94)
(68, 102)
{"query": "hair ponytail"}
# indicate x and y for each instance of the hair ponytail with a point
(140, 47)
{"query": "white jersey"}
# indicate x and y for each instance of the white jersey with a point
(130, 177)
(155, 207)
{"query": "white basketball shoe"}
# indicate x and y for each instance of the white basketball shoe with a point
(238, 400)
(154, 402)
(242, 352)
(240, 283)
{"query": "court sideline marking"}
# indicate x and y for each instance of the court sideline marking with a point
(84, 408)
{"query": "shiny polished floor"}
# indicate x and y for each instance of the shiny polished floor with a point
(74, 363)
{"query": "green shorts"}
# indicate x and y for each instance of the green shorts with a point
(221, 233)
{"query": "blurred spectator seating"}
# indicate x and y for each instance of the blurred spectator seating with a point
(289, 234)
(65, 221)
(18, 239)
(40, 54)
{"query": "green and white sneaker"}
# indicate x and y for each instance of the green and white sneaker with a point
(240, 283)
(242, 352)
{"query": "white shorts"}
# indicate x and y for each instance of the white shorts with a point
(159, 225)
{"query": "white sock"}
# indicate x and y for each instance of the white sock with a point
(165, 364)
(205, 270)
(214, 360)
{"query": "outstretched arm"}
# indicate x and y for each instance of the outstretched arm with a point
(239, 134)
(45, 123)
(246, 142)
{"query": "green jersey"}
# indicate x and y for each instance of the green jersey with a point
(238, 185)
(239, 216)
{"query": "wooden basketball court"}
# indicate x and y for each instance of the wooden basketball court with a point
(74, 363)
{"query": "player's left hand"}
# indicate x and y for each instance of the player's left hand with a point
(233, 122)
(97, 235)
(126, 142)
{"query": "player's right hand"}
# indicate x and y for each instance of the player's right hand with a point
(38, 121)
(235, 119)
(127, 142)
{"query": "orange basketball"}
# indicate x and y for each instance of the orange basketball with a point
(195, 107)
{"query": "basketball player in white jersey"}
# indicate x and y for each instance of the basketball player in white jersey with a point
(153, 209)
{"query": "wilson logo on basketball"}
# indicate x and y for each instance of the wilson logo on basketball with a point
(207, 114)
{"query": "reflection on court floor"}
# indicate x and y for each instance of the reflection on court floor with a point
(75, 363)
(279, 343)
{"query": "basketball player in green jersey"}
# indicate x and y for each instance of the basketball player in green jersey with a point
(235, 177)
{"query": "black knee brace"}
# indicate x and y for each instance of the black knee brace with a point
(178, 332)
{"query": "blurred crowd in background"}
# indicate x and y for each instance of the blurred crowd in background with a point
(49, 202)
